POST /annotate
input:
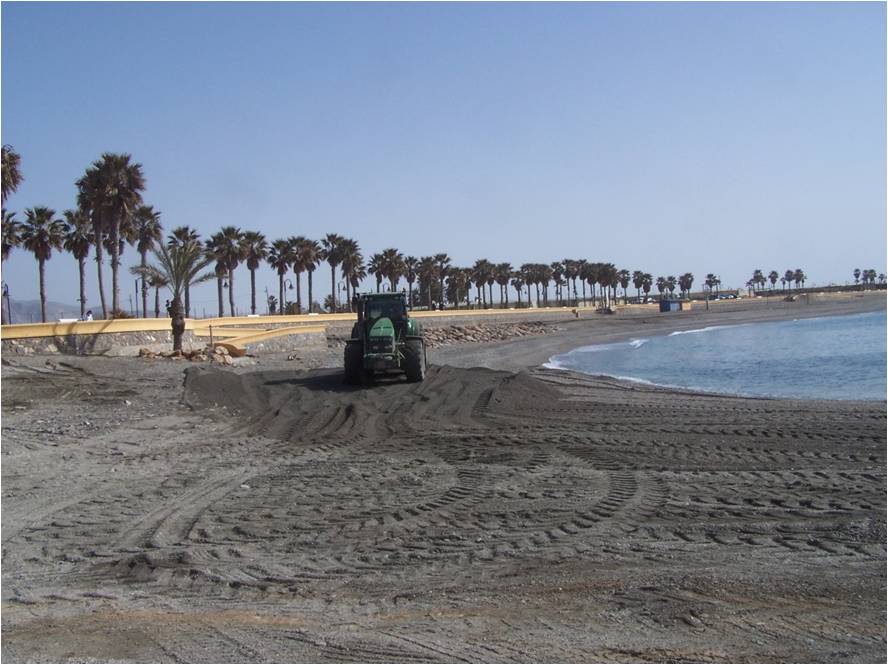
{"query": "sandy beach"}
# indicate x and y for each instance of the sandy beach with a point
(498, 512)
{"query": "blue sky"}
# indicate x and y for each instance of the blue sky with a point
(666, 137)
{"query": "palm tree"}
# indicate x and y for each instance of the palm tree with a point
(255, 248)
(111, 189)
(442, 262)
(233, 251)
(214, 248)
(352, 265)
(333, 256)
(147, 231)
(712, 282)
(182, 236)
(518, 284)
(662, 285)
(410, 265)
(308, 256)
(78, 240)
(426, 272)
(685, 282)
(376, 267)
(583, 272)
(156, 282)
(773, 276)
(12, 175)
(502, 273)
(392, 266)
(788, 276)
(40, 235)
(647, 282)
(623, 276)
(12, 230)
(177, 266)
(856, 276)
(637, 281)
(571, 271)
(480, 274)
(799, 277)
(280, 256)
(11, 238)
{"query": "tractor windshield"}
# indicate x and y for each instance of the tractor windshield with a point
(393, 310)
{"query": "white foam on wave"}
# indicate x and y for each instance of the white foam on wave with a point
(637, 343)
(698, 330)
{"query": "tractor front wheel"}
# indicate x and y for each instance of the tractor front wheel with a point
(354, 363)
(414, 360)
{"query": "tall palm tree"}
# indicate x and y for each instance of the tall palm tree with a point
(376, 267)
(352, 265)
(502, 274)
(12, 175)
(662, 285)
(711, 282)
(332, 254)
(685, 282)
(856, 276)
(442, 262)
(255, 250)
(280, 257)
(557, 269)
(40, 235)
(176, 265)
(647, 281)
(571, 271)
(410, 265)
(637, 281)
(308, 255)
(233, 251)
(147, 231)
(182, 236)
(78, 240)
(518, 283)
(773, 276)
(214, 249)
(393, 266)
(427, 271)
(295, 243)
(112, 188)
(787, 277)
(12, 230)
(11, 238)
(799, 277)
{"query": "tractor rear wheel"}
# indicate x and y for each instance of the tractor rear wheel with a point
(354, 362)
(414, 360)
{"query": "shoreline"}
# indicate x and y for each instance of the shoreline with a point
(529, 353)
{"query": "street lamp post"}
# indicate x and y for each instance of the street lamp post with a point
(8, 307)
(288, 285)
(137, 299)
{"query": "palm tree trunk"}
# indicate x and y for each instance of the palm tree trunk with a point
(143, 263)
(99, 261)
(42, 267)
(156, 302)
(410, 295)
(281, 293)
(115, 264)
(310, 296)
(81, 268)
(333, 284)
(231, 290)
(252, 291)
(583, 284)
(220, 293)
(187, 300)
(299, 291)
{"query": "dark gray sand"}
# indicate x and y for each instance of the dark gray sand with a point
(271, 514)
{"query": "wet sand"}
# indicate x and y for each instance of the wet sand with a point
(496, 512)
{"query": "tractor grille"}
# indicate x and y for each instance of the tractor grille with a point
(380, 345)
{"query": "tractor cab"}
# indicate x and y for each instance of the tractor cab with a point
(384, 338)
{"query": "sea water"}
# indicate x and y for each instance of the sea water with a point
(836, 357)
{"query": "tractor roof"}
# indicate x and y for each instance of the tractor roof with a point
(381, 296)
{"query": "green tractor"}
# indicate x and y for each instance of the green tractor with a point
(384, 339)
